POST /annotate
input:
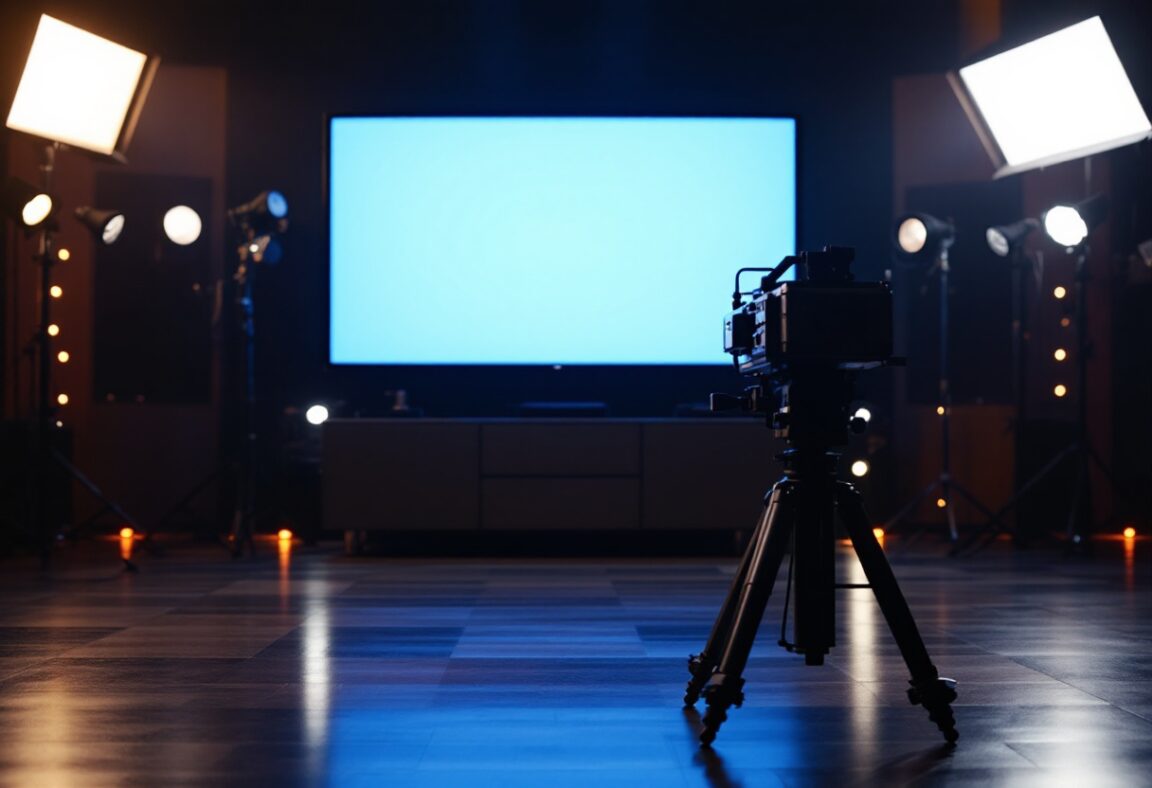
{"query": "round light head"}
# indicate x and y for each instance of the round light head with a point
(1003, 238)
(182, 225)
(24, 203)
(911, 235)
(860, 469)
(1069, 225)
(863, 414)
(104, 224)
(113, 229)
(277, 205)
(1065, 226)
(317, 414)
(36, 210)
(997, 242)
(920, 236)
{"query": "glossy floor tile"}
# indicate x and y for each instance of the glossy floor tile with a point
(303, 667)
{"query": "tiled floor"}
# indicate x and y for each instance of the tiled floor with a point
(308, 668)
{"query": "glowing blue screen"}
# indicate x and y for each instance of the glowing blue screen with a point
(549, 240)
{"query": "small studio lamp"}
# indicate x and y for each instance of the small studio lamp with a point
(921, 236)
(25, 203)
(1005, 239)
(104, 224)
(1070, 225)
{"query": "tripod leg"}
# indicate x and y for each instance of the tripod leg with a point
(1080, 513)
(725, 686)
(928, 689)
(949, 508)
(700, 666)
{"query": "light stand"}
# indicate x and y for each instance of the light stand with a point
(1009, 241)
(259, 222)
(1079, 524)
(46, 452)
(917, 234)
(84, 91)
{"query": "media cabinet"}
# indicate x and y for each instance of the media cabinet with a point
(562, 474)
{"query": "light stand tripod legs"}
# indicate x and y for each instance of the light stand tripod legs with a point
(928, 689)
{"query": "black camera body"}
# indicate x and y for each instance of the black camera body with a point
(823, 317)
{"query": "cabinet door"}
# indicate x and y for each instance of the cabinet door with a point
(550, 448)
(402, 475)
(707, 474)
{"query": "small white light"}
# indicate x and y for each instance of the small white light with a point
(253, 248)
(277, 205)
(860, 468)
(863, 414)
(1065, 226)
(912, 235)
(997, 242)
(317, 414)
(182, 225)
(36, 210)
(112, 230)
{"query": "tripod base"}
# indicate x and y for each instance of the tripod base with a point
(801, 513)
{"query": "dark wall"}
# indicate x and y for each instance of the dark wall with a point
(290, 63)
(830, 69)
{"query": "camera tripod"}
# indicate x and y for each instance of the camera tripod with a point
(800, 510)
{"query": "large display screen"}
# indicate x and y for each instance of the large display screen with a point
(549, 240)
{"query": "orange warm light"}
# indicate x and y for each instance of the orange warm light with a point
(941, 503)
(878, 532)
(127, 533)
(1129, 533)
(284, 535)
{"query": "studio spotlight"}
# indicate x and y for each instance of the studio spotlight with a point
(920, 236)
(182, 225)
(25, 203)
(316, 415)
(105, 225)
(263, 213)
(1004, 239)
(1070, 225)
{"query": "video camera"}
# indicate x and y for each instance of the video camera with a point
(824, 317)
